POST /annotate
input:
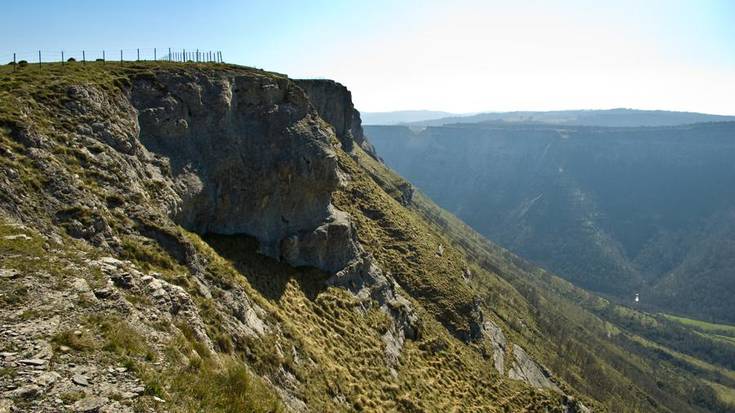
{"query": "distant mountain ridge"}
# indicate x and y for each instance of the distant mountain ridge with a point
(403, 116)
(607, 117)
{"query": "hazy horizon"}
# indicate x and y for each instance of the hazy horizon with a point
(449, 113)
(463, 56)
(615, 117)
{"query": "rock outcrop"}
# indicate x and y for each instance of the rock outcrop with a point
(247, 156)
(334, 104)
(498, 343)
(525, 369)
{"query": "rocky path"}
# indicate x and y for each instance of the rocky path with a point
(56, 315)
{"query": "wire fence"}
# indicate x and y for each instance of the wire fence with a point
(168, 54)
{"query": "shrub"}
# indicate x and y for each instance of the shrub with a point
(71, 60)
(23, 63)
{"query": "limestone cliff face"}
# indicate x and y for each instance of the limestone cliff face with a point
(248, 155)
(334, 104)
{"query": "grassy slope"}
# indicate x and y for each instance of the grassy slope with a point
(719, 329)
(594, 351)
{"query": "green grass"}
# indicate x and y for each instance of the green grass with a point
(226, 386)
(120, 337)
(724, 393)
(8, 373)
(78, 342)
(148, 255)
(15, 239)
(728, 339)
(698, 363)
(704, 326)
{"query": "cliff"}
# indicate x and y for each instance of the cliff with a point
(333, 102)
(184, 237)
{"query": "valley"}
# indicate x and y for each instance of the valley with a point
(619, 211)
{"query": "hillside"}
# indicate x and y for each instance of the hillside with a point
(615, 210)
(608, 117)
(203, 237)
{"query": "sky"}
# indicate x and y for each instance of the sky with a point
(457, 56)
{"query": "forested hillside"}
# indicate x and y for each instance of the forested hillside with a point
(619, 211)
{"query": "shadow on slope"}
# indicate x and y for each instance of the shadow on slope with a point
(267, 275)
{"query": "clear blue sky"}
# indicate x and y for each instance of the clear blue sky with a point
(458, 55)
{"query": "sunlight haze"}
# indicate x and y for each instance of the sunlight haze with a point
(459, 56)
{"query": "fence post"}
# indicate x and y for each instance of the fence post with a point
(39, 59)
(84, 58)
(169, 54)
(155, 58)
(103, 57)
(184, 51)
(15, 64)
(121, 57)
(138, 55)
(62, 58)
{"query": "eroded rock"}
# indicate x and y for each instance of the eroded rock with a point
(498, 342)
(334, 104)
(253, 157)
(525, 369)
